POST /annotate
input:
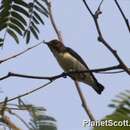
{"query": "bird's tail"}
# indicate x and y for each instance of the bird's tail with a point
(98, 88)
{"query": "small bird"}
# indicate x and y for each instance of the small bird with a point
(70, 61)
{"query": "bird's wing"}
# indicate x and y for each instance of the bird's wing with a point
(77, 56)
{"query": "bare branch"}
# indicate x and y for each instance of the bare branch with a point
(86, 5)
(51, 78)
(98, 11)
(103, 41)
(53, 23)
(123, 15)
(112, 72)
(99, 7)
(84, 103)
(20, 53)
(64, 74)
(27, 93)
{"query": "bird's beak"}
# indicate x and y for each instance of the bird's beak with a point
(45, 42)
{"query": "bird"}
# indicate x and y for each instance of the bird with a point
(70, 61)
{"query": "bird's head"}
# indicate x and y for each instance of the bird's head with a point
(55, 45)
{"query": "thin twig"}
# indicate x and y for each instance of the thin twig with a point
(123, 15)
(51, 78)
(103, 41)
(64, 74)
(84, 103)
(98, 11)
(20, 53)
(13, 108)
(112, 72)
(100, 4)
(53, 23)
(27, 93)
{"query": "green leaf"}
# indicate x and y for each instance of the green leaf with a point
(38, 17)
(1, 42)
(27, 35)
(3, 26)
(40, 10)
(35, 27)
(4, 13)
(42, 7)
(3, 22)
(14, 27)
(21, 10)
(16, 22)
(35, 20)
(19, 17)
(46, 2)
(21, 2)
(6, 4)
(121, 112)
(13, 35)
(41, 121)
(1, 39)
(34, 32)
(31, 6)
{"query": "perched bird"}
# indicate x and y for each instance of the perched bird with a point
(70, 61)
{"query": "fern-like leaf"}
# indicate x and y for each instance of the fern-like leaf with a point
(121, 112)
(37, 9)
(11, 20)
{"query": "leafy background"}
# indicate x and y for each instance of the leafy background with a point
(21, 18)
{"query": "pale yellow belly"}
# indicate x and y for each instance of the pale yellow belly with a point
(69, 63)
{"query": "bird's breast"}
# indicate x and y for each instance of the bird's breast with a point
(69, 63)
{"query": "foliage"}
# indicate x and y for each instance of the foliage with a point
(41, 121)
(21, 17)
(122, 111)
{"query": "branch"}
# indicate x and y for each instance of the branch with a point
(64, 74)
(103, 41)
(13, 108)
(53, 23)
(27, 93)
(123, 15)
(51, 78)
(20, 53)
(9, 123)
(84, 103)
(3, 107)
(99, 7)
